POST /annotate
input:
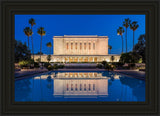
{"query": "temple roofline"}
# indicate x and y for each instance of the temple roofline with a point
(80, 36)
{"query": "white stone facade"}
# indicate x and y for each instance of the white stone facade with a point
(80, 49)
(80, 45)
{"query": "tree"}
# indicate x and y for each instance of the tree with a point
(28, 32)
(125, 58)
(49, 45)
(22, 52)
(104, 63)
(134, 26)
(32, 22)
(112, 58)
(120, 32)
(38, 60)
(110, 47)
(48, 58)
(130, 57)
(140, 47)
(41, 32)
(126, 24)
(38, 53)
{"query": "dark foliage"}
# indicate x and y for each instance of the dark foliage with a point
(21, 52)
(130, 57)
(38, 53)
(48, 58)
(139, 48)
(104, 63)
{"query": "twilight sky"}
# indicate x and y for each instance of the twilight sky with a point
(59, 25)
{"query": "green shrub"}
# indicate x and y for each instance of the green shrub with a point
(46, 64)
(31, 61)
(24, 63)
(110, 66)
(36, 65)
(99, 66)
(104, 63)
(48, 58)
(61, 66)
(131, 66)
(50, 67)
(55, 66)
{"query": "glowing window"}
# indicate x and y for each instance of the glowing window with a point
(75, 45)
(76, 87)
(94, 46)
(67, 46)
(71, 87)
(93, 87)
(80, 46)
(84, 45)
(80, 87)
(89, 46)
(67, 87)
(89, 87)
(71, 45)
(84, 87)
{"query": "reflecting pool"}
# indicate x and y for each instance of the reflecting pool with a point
(79, 86)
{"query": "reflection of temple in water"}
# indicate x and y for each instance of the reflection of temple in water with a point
(81, 83)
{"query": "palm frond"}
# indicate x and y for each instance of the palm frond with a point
(49, 44)
(32, 21)
(28, 32)
(41, 31)
(120, 31)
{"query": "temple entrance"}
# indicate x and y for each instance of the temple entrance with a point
(75, 59)
(66, 59)
(70, 59)
(95, 59)
(91, 59)
(86, 59)
(80, 59)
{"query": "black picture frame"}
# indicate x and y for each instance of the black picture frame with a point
(150, 8)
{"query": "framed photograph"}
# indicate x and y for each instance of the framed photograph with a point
(80, 57)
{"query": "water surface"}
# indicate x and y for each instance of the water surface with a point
(79, 86)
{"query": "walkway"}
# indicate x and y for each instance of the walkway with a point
(132, 73)
(29, 72)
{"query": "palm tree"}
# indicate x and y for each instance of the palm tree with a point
(133, 26)
(49, 45)
(32, 22)
(126, 24)
(110, 47)
(112, 58)
(41, 32)
(120, 32)
(28, 32)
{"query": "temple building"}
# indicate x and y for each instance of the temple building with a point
(88, 48)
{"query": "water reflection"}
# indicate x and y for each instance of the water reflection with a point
(80, 86)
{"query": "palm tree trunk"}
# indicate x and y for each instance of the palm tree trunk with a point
(110, 51)
(32, 45)
(133, 40)
(122, 43)
(28, 42)
(40, 48)
(50, 50)
(126, 40)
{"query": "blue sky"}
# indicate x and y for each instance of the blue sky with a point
(59, 25)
